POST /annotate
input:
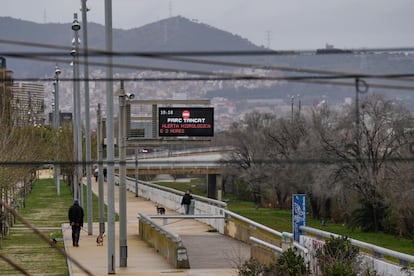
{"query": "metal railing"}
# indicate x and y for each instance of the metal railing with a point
(253, 223)
(379, 252)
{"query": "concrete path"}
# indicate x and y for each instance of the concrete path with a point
(223, 253)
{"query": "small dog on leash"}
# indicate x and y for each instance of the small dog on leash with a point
(100, 239)
(160, 210)
(52, 242)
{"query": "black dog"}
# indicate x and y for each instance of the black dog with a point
(160, 210)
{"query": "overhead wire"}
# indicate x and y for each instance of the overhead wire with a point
(200, 53)
(315, 79)
(177, 56)
(178, 162)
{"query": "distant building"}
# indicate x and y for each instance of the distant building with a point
(65, 118)
(6, 92)
(28, 104)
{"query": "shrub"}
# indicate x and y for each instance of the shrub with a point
(371, 218)
(289, 263)
(251, 268)
(337, 257)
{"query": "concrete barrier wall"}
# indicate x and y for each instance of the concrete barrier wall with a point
(242, 229)
(171, 199)
(263, 254)
(166, 243)
(233, 226)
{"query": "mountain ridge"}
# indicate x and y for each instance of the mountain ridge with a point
(172, 34)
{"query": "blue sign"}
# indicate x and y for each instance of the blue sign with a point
(298, 214)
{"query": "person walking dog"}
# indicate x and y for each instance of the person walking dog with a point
(75, 215)
(186, 201)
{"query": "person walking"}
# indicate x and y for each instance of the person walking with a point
(96, 173)
(105, 173)
(186, 201)
(75, 215)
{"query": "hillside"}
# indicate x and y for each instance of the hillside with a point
(172, 34)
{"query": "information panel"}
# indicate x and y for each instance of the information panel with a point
(185, 121)
(299, 214)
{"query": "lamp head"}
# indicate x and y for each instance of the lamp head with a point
(130, 96)
(57, 71)
(75, 24)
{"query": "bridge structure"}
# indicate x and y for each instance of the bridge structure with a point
(195, 161)
(201, 161)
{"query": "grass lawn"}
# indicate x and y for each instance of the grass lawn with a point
(281, 220)
(195, 185)
(44, 208)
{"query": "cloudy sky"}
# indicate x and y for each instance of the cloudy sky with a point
(280, 24)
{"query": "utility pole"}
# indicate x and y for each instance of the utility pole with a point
(100, 175)
(110, 139)
(136, 172)
(123, 248)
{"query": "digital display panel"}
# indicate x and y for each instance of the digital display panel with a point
(185, 121)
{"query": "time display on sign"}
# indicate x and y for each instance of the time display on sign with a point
(185, 121)
(166, 112)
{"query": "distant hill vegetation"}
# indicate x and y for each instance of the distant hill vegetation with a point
(168, 35)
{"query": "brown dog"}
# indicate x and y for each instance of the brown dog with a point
(52, 242)
(99, 240)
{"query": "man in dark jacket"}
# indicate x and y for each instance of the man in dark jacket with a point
(75, 215)
(186, 201)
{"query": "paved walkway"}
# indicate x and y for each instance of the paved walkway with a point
(143, 259)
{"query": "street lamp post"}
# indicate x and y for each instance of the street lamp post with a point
(76, 107)
(56, 124)
(87, 117)
(123, 248)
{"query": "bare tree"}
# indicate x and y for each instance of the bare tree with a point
(286, 146)
(19, 148)
(331, 156)
(366, 149)
(249, 159)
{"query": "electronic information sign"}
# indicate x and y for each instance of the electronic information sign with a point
(185, 121)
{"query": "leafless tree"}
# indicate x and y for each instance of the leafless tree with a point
(249, 158)
(330, 156)
(19, 147)
(367, 148)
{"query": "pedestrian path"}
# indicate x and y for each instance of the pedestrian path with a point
(143, 259)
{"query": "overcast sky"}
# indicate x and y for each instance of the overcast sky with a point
(280, 24)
